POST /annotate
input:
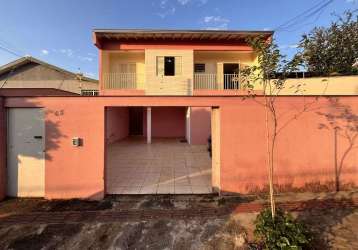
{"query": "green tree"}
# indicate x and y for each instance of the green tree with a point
(332, 50)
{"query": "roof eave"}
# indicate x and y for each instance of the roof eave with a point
(258, 32)
(98, 35)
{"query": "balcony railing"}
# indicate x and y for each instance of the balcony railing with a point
(89, 92)
(201, 81)
(216, 81)
(205, 81)
(122, 80)
(231, 81)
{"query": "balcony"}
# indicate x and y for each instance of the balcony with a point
(216, 82)
(202, 83)
(196, 72)
(123, 81)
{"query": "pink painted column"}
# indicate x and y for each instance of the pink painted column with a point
(200, 125)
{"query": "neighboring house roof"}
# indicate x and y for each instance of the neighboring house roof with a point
(29, 72)
(29, 59)
(34, 92)
(152, 34)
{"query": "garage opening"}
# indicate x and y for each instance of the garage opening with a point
(152, 150)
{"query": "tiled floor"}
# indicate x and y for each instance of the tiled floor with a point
(166, 166)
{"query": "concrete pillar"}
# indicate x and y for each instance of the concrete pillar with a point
(215, 149)
(149, 125)
(187, 126)
(220, 75)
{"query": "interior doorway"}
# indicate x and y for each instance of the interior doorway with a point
(231, 71)
(136, 121)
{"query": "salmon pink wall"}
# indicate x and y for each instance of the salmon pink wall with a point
(305, 157)
(200, 125)
(2, 149)
(73, 172)
(117, 123)
(166, 122)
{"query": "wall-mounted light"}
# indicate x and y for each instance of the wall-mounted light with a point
(77, 142)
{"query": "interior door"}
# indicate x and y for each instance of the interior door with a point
(26, 157)
(136, 121)
(230, 75)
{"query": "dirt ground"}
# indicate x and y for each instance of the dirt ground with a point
(334, 228)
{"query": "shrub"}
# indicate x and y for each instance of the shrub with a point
(284, 232)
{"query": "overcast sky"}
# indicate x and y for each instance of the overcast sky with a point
(59, 31)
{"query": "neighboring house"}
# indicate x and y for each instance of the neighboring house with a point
(162, 93)
(30, 76)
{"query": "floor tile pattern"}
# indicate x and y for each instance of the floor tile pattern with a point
(167, 166)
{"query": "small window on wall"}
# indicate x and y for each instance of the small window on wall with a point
(199, 67)
(168, 65)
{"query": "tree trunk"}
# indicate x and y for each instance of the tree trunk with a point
(269, 154)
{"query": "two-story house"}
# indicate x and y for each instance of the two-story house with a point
(162, 94)
(183, 63)
(174, 63)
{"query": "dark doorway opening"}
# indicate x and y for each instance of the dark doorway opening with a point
(136, 121)
(231, 71)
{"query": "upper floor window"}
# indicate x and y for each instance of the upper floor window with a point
(168, 65)
(199, 68)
